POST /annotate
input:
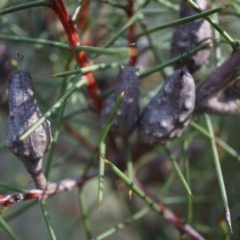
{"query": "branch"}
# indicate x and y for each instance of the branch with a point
(156, 205)
(53, 188)
(81, 57)
(133, 52)
(171, 216)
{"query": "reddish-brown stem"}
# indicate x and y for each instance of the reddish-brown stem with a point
(78, 137)
(171, 216)
(81, 57)
(131, 34)
(83, 14)
(87, 38)
(52, 188)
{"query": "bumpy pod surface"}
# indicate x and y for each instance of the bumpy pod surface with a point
(190, 35)
(128, 112)
(23, 113)
(170, 110)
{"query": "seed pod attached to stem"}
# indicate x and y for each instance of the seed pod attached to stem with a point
(190, 35)
(128, 112)
(23, 113)
(208, 92)
(170, 110)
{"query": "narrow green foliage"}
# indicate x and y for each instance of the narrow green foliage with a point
(9, 187)
(91, 68)
(105, 131)
(187, 177)
(109, 120)
(179, 172)
(21, 210)
(231, 151)
(43, 42)
(168, 5)
(84, 215)
(217, 164)
(129, 165)
(51, 232)
(130, 21)
(56, 132)
(179, 22)
(114, 4)
(141, 178)
(8, 229)
(170, 62)
(168, 183)
(24, 6)
(101, 175)
(156, 207)
(130, 220)
(56, 106)
(215, 25)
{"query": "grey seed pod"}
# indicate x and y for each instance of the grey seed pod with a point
(162, 121)
(220, 79)
(233, 92)
(127, 115)
(23, 113)
(190, 35)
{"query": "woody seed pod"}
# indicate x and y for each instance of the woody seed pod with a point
(233, 92)
(128, 111)
(208, 91)
(170, 110)
(23, 113)
(190, 35)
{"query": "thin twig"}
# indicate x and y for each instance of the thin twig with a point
(81, 57)
(53, 188)
(155, 205)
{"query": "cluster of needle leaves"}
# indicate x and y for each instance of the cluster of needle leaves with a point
(187, 189)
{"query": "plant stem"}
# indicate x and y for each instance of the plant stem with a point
(81, 57)
(158, 208)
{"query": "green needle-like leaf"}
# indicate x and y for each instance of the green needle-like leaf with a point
(219, 172)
